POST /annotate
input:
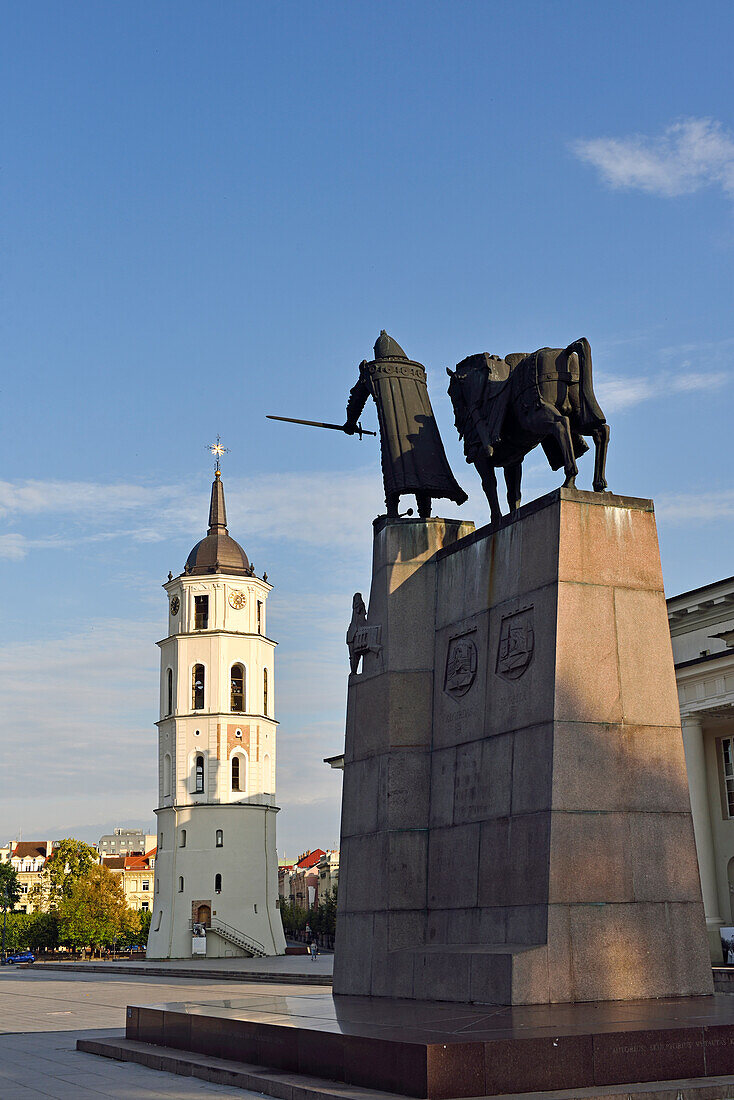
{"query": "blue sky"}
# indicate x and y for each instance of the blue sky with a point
(210, 210)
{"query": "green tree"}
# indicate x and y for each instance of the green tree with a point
(70, 861)
(42, 931)
(93, 913)
(9, 886)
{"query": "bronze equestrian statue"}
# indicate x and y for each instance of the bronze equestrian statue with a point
(411, 450)
(506, 407)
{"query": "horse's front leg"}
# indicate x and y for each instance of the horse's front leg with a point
(489, 484)
(600, 435)
(513, 477)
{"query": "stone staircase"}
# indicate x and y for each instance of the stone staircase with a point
(239, 939)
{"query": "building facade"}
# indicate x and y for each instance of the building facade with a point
(702, 633)
(125, 842)
(216, 864)
(28, 858)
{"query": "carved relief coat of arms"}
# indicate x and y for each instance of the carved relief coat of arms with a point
(516, 645)
(461, 666)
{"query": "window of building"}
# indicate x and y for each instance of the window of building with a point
(144, 906)
(727, 753)
(158, 922)
(236, 773)
(219, 838)
(146, 884)
(217, 884)
(199, 774)
(237, 688)
(180, 884)
(197, 687)
(169, 692)
(182, 839)
(265, 691)
(166, 779)
(259, 616)
(201, 612)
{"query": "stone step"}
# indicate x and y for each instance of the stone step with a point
(294, 1086)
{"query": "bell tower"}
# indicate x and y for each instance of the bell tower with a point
(216, 874)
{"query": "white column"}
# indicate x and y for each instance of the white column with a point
(698, 788)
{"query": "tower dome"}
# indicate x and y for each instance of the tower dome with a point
(218, 552)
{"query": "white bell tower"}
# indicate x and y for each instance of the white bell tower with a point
(216, 864)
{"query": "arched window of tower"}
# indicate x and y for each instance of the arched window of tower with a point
(265, 691)
(238, 770)
(182, 839)
(169, 691)
(217, 884)
(167, 775)
(180, 884)
(197, 687)
(219, 838)
(237, 688)
(199, 775)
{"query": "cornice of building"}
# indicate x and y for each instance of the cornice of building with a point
(233, 718)
(217, 633)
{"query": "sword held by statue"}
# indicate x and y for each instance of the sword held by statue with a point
(358, 429)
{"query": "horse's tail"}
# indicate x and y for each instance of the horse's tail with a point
(590, 409)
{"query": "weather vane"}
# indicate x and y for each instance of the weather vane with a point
(218, 450)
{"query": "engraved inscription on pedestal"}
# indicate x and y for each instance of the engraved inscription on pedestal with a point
(516, 645)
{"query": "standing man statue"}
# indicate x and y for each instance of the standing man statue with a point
(412, 454)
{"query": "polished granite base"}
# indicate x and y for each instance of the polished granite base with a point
(441, 1050)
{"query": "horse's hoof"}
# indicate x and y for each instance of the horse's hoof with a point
(570, 482)
(600, 487)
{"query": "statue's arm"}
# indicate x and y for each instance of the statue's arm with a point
(358, 395)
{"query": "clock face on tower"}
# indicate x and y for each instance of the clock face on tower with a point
(175, 604)
(237, 599)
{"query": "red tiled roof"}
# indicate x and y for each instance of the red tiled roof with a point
(311, 859)
(32, 848)
(114, 863)
(140, 863)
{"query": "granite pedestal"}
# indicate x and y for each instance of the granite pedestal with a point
(519, 902)
(447, 1050)
(516, 826)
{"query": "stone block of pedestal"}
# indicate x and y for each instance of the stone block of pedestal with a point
(515, 786)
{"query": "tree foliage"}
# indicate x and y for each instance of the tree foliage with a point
(69, 862)
(321, 919)
(9, 886)
(93, 912)
(31, 932)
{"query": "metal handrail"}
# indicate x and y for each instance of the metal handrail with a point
(217, 924)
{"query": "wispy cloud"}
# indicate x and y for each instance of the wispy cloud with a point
(617, 393)
(703, 507)
(302, 508)
(689, 155)
(76, 724)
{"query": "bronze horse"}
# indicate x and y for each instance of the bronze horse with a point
(506, 407)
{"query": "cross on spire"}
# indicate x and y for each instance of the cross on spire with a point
(217, 450)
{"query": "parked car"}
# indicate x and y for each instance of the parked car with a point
(21, 957)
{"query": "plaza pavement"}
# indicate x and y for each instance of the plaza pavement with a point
(43, 1014)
